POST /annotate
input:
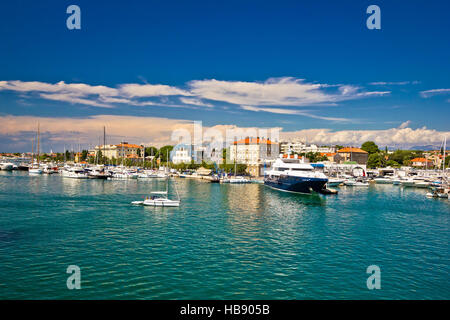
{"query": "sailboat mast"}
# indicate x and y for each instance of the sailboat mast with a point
(38, 145)
(32, 150)
(104, 141)
(235, 159)
(443, 162)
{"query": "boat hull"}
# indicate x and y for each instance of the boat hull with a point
(295, 184)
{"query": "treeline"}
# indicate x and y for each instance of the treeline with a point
(382, 158)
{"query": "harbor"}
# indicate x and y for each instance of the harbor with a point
(225, 241)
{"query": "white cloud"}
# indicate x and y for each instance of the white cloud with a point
(433, 92)
(150, 90)
(393, 83)
(272, 92)
(275, 91)
(195, 102)
(291, 112)
(405, 124)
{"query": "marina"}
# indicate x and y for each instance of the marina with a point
(224, 241)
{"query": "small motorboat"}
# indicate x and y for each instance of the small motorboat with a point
(159, 199)
(381, 180)
(334, 182)
(239, 180)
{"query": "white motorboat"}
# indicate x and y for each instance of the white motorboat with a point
(381, 180)
(158, 199)
(6, 166)
(239, 180)
(334, 182)
(355, 183)
(75, 173)
(408, 183)
(421, 184)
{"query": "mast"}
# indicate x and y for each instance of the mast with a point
(32, 150)
(235, 159)
(38, 146)
(104, 141)
(443, 162)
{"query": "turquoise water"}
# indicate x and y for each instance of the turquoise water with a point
(224, 242)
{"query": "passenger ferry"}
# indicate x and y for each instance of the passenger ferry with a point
(290, 174)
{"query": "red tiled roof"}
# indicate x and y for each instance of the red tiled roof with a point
(328, 154)
(128, 145)
(254, 141)
(420, 160)
(351, 149)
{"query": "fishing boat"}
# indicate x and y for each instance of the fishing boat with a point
(291, 175)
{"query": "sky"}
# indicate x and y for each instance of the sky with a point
(312, 69)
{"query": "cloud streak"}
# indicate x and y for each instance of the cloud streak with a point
(434, 92)
(273, 92)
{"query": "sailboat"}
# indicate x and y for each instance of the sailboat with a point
(160, 199)
(35, 168)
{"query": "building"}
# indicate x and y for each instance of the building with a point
(116, 151)
(421, 163)
(300, 147)
(78, 157)
(350, 154)
(329, 155)
(181, 154)
(254, 152)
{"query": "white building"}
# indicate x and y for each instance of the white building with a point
(253, 152)
(181, 155)
(300, 147)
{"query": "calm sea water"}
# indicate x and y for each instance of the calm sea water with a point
(223, 242)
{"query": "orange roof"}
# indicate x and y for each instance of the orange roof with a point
(132, 156)
(420, 160)
(351, 149)
(328, 154)
(128, 145)
(254, 141)
(291, 156)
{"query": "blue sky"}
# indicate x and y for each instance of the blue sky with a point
(297, 65)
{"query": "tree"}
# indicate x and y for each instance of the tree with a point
(84, 155)
(164, 151)
(370, 147)
(376, 160)
(151, 151)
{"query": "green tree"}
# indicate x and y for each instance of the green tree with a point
(84, 155)
(164, 151)
(370, 147)
(151, 151)
(376, 160)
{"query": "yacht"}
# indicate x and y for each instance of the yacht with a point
(75, 173)
(356, 183)
(291, 175)
(7, 166)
